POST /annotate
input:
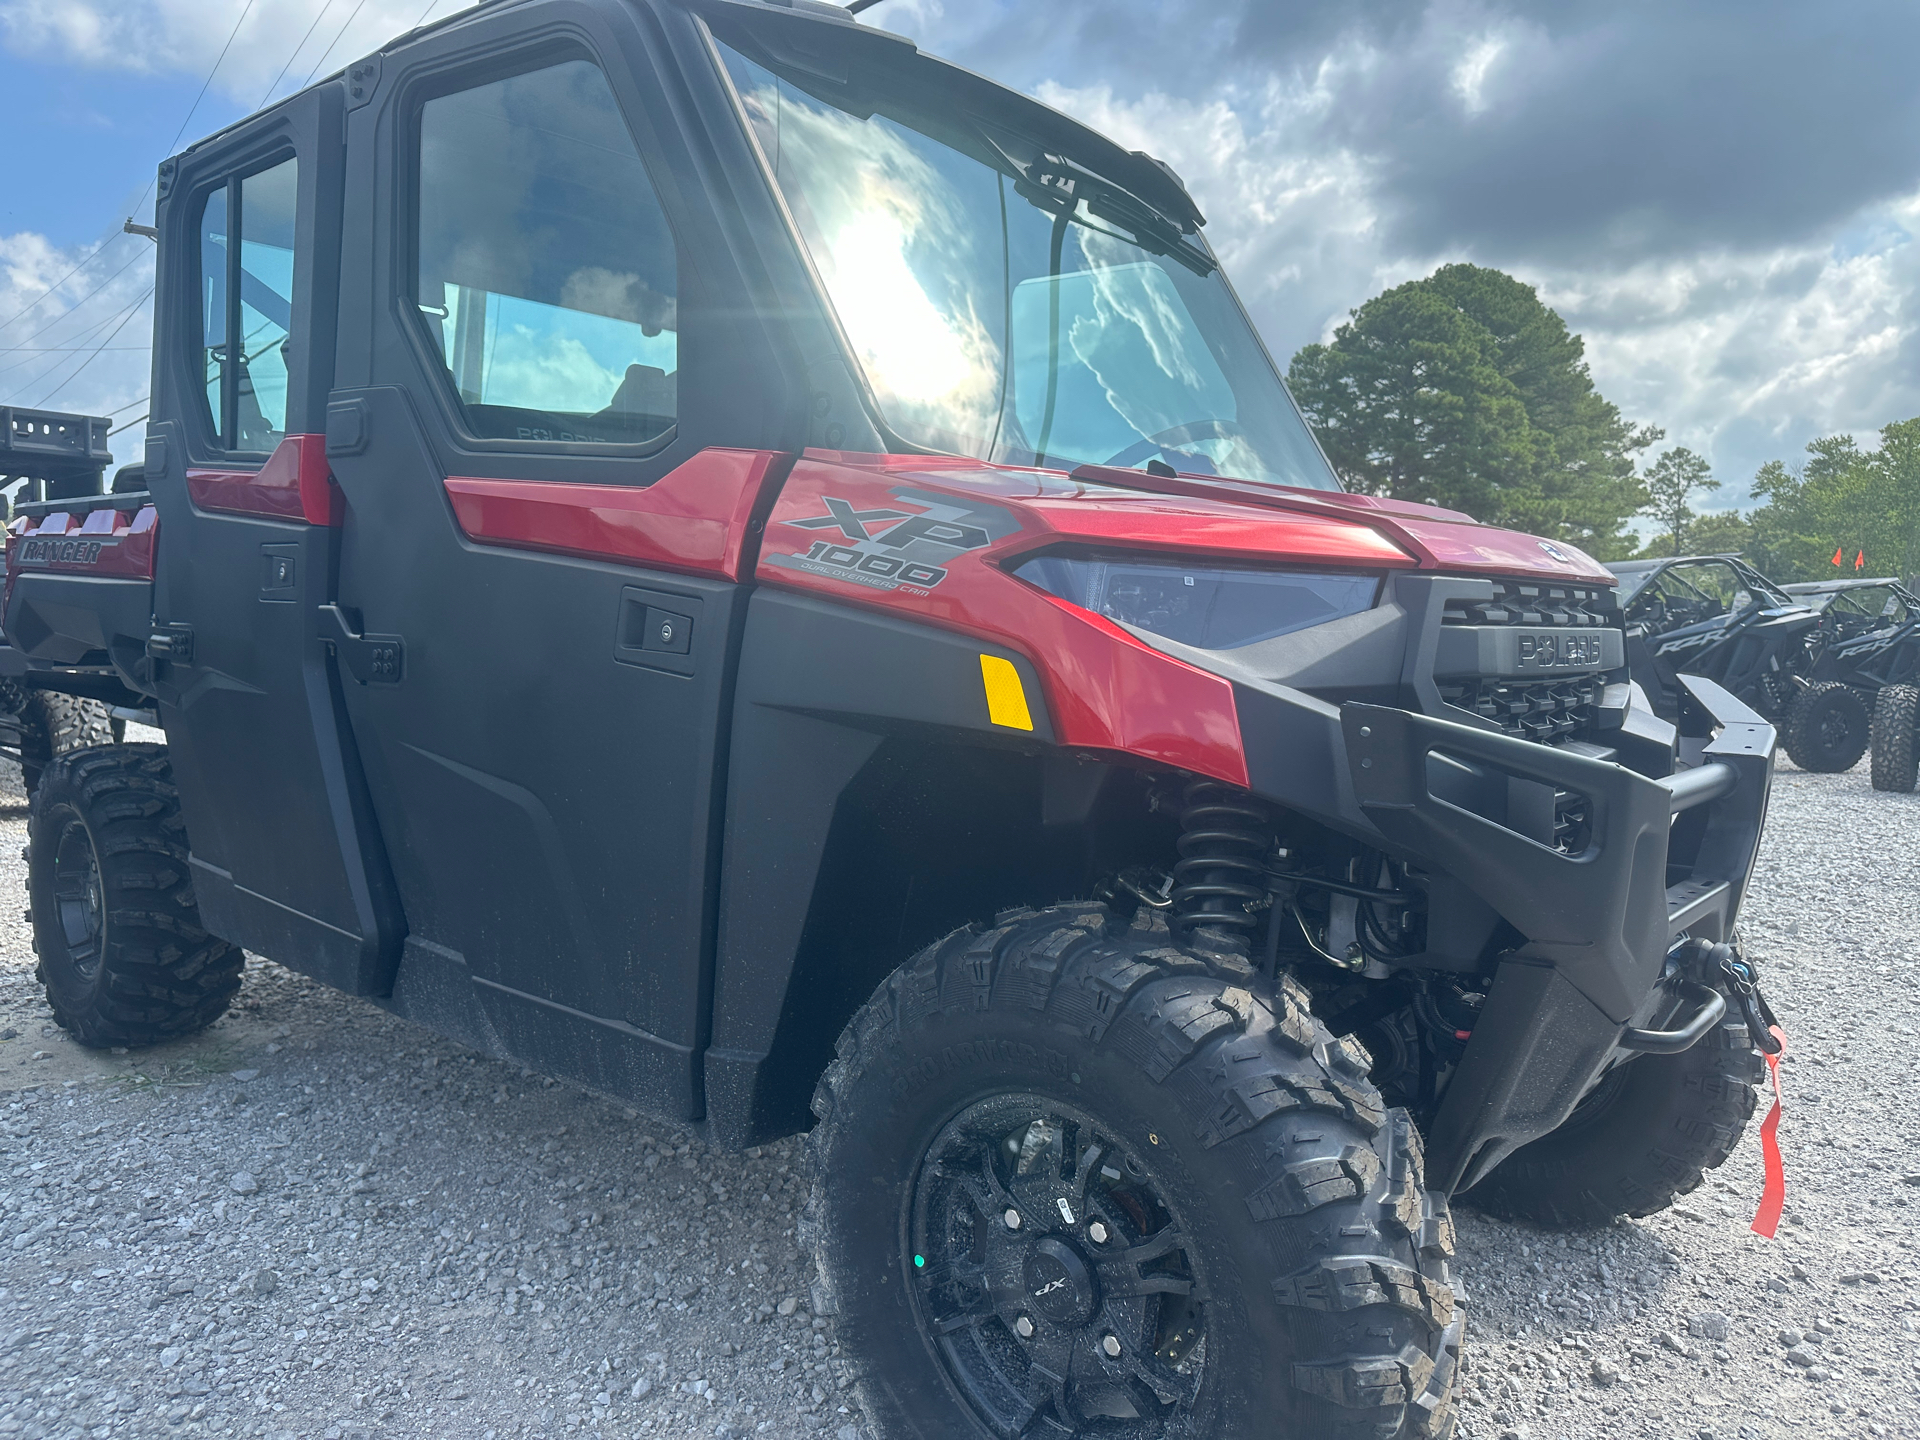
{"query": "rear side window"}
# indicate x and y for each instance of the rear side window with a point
(546, 274)
(247, 244)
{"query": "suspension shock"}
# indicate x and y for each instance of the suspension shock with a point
(1225, 835)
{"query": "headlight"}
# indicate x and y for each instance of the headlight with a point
(1210, 607)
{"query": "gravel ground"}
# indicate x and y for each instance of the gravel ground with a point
(318, 1221)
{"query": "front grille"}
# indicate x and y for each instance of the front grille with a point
(1544, 711)
(1535, 602)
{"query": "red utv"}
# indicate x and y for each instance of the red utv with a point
(704, 550)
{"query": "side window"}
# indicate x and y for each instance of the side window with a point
(546, 274)
(247, 243)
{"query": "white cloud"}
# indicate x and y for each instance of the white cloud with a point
(1741, 357)
(186, 36)
(91, 359)
(1470, 75)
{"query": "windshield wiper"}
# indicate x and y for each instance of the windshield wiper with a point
(1058, 185)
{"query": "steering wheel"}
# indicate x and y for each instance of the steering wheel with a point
(1178, 435)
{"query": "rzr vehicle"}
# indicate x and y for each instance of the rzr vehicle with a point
(1867, 642)
(1868, 636)
(1718, 617)
(704, 550)
(42, 453)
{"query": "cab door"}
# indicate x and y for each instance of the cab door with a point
(554, 427)
(285, 856)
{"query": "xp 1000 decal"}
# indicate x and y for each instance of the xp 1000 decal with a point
(906, 544)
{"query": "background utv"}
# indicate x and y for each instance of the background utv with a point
(675, 529)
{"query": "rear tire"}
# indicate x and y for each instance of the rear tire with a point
(122, 953)
(1827, 728)
(52, 724)
(1168, 1102)
(1896, 715)
(1647, 1134)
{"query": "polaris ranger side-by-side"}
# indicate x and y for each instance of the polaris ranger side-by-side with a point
(701, 549)
(48, 453)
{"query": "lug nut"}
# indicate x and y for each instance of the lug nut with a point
(1097, 1232)
(1013, 1219)
(1023, 1327)
(1110, 1346)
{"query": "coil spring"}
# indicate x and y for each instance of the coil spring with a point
(1224, 838)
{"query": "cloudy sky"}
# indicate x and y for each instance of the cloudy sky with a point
(1720, 196)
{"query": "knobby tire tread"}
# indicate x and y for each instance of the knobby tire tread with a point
(1322, 1156)
(161, 975)
(1807, 746)
(1896, 715)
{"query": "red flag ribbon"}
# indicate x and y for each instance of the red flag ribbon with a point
(1837, 554)
(1773, 1196)
(1860, 561)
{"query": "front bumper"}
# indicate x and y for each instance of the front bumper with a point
(1662, 858)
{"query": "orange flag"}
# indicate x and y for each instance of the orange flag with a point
(1860, 561)
(1838, 552)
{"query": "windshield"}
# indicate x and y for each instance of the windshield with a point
(1053, 324)
(1631, 581)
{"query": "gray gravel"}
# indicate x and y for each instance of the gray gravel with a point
(315, 1220)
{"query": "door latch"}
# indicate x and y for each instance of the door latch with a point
(370, 659)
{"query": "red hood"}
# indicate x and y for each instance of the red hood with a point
(1439, 539)
(1099, 503)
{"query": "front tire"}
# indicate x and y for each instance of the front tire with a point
(1646, 1135)
(1066, 1181)
(1896, 716)
(122, 953)
(1827, 728)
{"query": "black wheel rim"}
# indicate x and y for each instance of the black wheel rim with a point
(77, 898)
(1836, 729)
(1054, 1283)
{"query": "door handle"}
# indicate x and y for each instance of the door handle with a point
(370, 659)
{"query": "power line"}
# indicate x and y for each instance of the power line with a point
(336, 40)
(67, 314)
(131, 423)
(173, 144)
(320, 15)
(132, 311)
(80, 339)
(87, 260)
(49, 370)
(185, 121)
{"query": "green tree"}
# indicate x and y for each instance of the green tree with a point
(1463, 390)
(1671, 482)
(1722, 532)
(1842, 499)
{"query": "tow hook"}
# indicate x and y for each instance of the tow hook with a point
(1722, 967)
(1709, 975)
(1736, 977)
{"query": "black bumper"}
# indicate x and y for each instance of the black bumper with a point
(1662, 857)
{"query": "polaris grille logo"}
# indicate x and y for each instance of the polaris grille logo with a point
(1560, 652)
